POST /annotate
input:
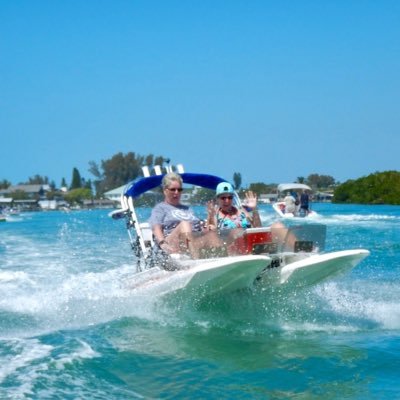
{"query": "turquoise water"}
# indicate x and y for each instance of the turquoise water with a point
(72, 328)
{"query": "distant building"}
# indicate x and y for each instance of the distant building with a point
(31, 191)
(27, 205)
(6, 201)
(52, 204)
(323, 197)
(115, 194)
(150, 198)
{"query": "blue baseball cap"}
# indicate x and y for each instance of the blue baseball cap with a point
(224, 187)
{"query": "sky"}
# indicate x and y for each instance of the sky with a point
(274, 90)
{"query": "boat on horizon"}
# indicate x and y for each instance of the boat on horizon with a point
(294, 189)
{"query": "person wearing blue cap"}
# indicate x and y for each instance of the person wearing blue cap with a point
(230, 220)
(226, 216)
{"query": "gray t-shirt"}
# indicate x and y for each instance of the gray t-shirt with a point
(169, 216)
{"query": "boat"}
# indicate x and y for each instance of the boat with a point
(267, 257)
(12, 212)
(9, 212)
(280, 207)
(3, 218)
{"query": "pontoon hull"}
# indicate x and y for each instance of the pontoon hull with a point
(312, 269)
(203, 278)
(199, 279)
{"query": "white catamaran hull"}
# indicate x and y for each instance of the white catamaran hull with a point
(202, 278)
(312, 269)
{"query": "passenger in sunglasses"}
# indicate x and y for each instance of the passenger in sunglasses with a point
(175, 227)
(230, 221)
(226, 216)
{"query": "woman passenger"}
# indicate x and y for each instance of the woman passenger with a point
(228, 219)
(175, 227)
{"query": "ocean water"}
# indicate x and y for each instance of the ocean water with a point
(73, 328)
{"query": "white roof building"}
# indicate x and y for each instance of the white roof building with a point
(115, 194)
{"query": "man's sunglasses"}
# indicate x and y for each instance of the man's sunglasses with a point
(175, 189)
(226, 197)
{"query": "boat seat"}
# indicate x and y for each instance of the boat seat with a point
(147, 234)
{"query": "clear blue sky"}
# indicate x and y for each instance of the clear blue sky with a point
(271, 89)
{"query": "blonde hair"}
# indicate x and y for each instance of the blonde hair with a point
(169, 178)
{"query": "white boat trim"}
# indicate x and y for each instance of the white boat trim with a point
(283, 187)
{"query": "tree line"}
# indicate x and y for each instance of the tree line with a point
(376, 188)
(381, 187)
(108, 174)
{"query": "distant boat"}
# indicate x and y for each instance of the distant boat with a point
(3, 218)
(280, 206)
(11, 212)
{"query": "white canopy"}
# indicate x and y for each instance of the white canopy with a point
(292, 186)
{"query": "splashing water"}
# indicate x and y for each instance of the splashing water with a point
(74, 326)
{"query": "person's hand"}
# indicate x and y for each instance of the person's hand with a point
(251, 200)
(211, 208)
(211, 227)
